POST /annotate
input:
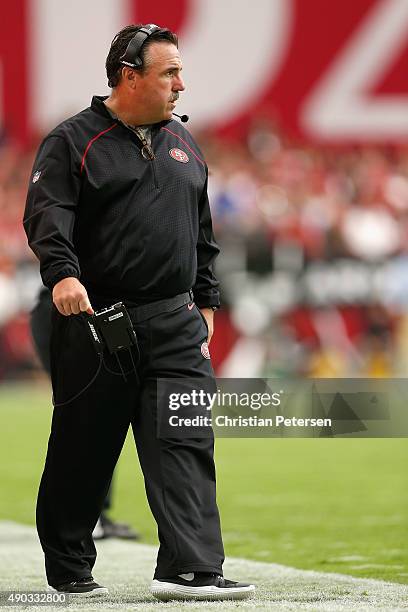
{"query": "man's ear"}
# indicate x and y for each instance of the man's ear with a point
(129, 76)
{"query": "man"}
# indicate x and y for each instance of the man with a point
(117, 210)
(40, 325)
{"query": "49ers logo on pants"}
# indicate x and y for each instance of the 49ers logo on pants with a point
(205, 351)
(179, 155)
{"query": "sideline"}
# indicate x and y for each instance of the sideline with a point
(126, 569)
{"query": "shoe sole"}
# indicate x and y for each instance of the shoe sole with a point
(94, 593)
(166, 591)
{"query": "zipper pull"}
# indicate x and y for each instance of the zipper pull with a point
(146, 150)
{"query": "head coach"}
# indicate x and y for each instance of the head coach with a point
(117, 211)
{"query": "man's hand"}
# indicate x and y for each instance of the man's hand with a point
(208, 315)
(70, 297)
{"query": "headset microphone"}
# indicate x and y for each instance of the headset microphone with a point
(183, 118)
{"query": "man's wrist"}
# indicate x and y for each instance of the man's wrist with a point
(66, 273)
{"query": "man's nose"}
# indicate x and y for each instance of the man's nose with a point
(179, 84)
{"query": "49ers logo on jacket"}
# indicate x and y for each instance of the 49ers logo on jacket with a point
(179, 155)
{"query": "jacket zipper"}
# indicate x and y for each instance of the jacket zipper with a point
(146, 149)
(148, 154)
(156, 184)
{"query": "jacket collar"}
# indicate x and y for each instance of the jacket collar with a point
(98, 106)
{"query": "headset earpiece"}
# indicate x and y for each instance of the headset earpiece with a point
(131, 56)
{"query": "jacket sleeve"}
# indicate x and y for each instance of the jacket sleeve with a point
(49, 215)
(205, 290)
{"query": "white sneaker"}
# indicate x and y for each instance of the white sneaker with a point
(200, 585)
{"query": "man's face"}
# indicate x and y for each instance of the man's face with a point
(159, 85)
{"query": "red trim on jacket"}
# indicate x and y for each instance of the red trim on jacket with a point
(183, 141)
(90, 143)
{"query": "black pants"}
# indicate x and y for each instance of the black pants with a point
(87, 436)
(40, 324)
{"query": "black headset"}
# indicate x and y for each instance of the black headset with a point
(131, 55)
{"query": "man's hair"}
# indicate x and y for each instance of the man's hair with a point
(119, 45)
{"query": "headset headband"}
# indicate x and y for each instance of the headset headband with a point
(131, 55)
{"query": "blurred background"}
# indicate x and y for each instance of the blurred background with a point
(301, 109)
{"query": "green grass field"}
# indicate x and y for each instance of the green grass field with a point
(325, 504)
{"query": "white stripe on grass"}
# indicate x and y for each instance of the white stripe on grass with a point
(126, 569)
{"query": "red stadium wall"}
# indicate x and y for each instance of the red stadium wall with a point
(329, 71)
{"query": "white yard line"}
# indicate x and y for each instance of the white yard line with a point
(126, 568)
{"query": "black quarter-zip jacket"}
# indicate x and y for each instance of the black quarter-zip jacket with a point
(129, 228)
